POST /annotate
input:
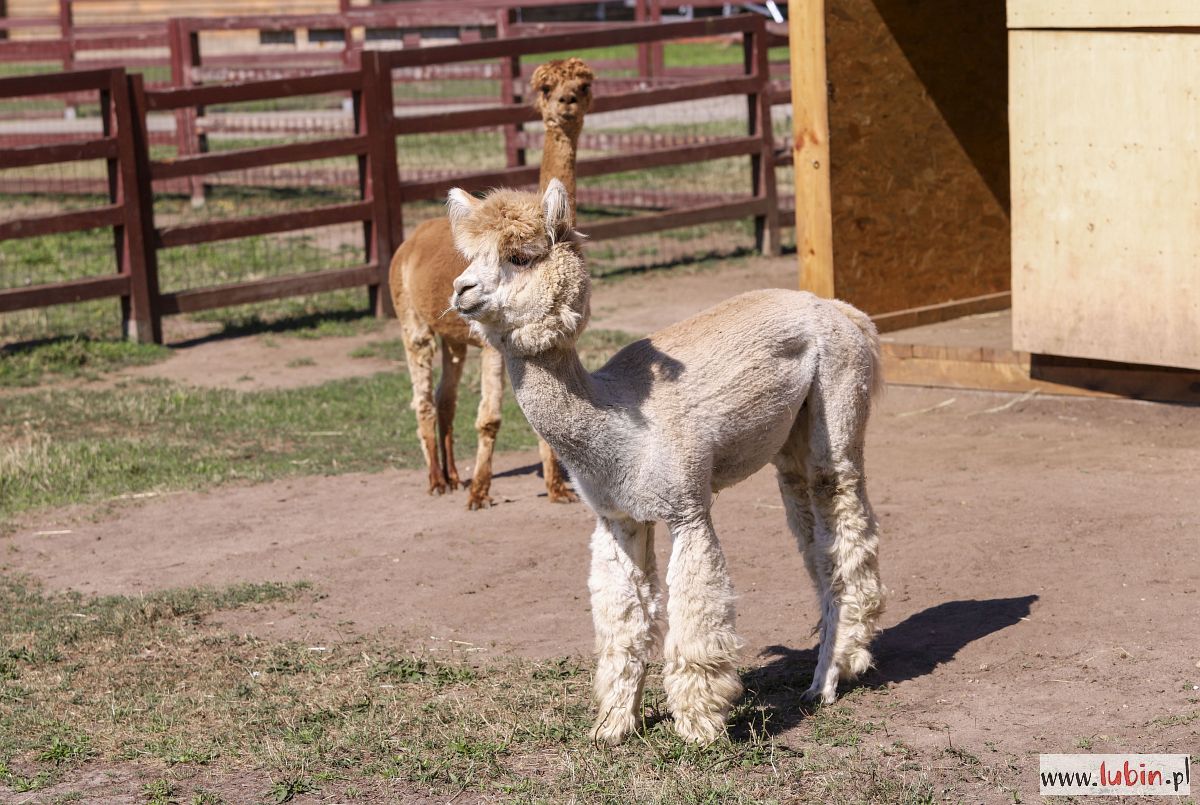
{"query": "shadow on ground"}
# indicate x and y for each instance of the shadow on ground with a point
(910, 649)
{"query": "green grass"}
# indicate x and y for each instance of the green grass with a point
(65, 446)
(365, 718)
(71, 446)
(30, 364)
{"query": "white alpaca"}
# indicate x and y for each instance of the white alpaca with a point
(769, 376)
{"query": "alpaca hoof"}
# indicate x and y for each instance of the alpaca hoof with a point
(699, 728)
(856, 664)
(613, 729)
(477, 502)
(815, 695)
(562, 494)
(437, 487)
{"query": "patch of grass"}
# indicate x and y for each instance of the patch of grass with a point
(75, 445)
(159, 792)
(297, 363)
(29, 364)
(286, 790)
(391, 349)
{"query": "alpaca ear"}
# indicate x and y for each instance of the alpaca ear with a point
(540, 77)
(556, 206)
(459, 204)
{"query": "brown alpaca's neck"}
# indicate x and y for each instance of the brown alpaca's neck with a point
(558, 161)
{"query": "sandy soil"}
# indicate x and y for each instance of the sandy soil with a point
(1041, 559)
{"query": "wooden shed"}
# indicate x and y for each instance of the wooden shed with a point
(951, 151)
(1106, 179)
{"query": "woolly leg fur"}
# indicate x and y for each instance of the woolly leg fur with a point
(792, 476)
(419, 347)
(845, 534)
(487, 425)
(453, 355)
(625, 605)
(700, 656)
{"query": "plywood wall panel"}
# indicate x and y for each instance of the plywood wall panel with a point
(919, 150)
(1102, 13)
(1106, 195)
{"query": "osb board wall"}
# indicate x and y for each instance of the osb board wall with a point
(1102, 13)
(1106, 195)
(919, 141)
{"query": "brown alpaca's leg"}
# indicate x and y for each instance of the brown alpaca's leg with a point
(556, 485)
(487, 425)
(419, 346)
(453, 355)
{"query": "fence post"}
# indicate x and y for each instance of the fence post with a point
(510, 80)
(66, 29)
(132, 190)
(657, 62)
(756, 59)
(380, 181)
(185, 54)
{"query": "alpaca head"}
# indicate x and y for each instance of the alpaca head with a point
(526, 287)
(562, 93)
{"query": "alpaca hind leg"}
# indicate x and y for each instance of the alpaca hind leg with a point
(453, 355)
(700, 654)
(487, 425)
(556, 484)
(419, 347)
(792, 477)
(846, 537)
(625, 605)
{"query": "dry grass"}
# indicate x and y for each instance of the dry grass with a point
(157, 685)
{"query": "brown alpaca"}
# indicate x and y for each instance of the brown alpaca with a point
(422, 281)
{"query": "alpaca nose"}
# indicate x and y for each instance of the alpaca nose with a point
(463, 284)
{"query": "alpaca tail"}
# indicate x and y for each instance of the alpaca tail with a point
(864, 323)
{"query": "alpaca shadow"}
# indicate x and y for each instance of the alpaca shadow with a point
(528, 469)
(902, 652)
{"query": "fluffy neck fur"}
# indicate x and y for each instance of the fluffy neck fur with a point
(558, 397)
(552, 386)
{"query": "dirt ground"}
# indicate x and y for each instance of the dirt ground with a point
(1040, 553)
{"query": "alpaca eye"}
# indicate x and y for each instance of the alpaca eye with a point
(546, 90)
(585, 89)
(520, 259)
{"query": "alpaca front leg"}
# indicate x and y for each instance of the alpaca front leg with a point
(487, 425)
(700, 655)
(624, 587)
(556, 486)
(419, 349)
(847, 557)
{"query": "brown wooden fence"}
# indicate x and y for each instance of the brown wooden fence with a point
(62, 39)
(126, 104)
(124, 149)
